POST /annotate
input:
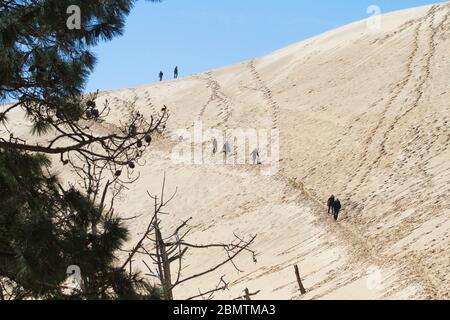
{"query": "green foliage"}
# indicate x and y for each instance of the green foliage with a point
(38, 50)
(45, 229)
(41, 60)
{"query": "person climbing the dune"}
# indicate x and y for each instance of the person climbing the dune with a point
(214, 146)
(175, 73)
(336, 208)
(226, 148)
(161, 76)
(226, 151)
(330, 204)
(255, 156)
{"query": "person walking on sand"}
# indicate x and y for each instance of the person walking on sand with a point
(330, 204)
(161, 76)
(226, 151)
(337, 207)
(175, 73)
(214, 146)
(226, 148)
(255, 156)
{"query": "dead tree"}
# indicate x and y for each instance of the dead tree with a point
(166, 249)
(74, 139)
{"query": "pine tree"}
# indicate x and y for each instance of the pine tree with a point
(43, 69)
(43, 227)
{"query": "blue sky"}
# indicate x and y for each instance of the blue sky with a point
(199, 35)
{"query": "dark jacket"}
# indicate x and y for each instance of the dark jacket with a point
(337, 206)
(330, 202)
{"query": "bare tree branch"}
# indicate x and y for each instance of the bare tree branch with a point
(169, 250)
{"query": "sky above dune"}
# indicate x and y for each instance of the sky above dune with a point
(200, 35)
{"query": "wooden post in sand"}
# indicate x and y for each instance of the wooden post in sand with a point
(299, 280)
(247, 294)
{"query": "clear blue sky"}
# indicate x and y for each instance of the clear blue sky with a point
(199, 35)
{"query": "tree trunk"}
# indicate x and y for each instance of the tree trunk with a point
(167, 281)
(299, 280)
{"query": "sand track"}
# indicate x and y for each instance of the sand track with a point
(217, 95)
(274, 109)
(396, 93)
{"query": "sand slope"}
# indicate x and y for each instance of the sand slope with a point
(362, 114)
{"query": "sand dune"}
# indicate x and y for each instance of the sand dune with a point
(363, 114)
